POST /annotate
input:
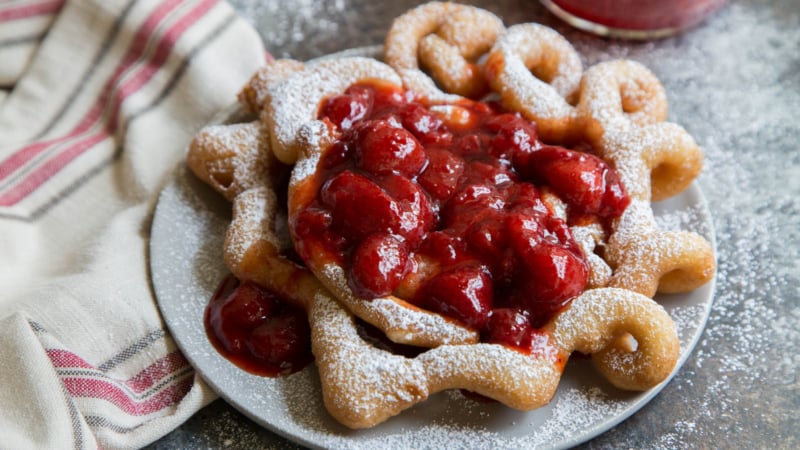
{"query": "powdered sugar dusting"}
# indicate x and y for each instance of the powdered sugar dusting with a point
(293, 102)
(365, 385)
(231, 158)
(579, 408)
(688, 318)
(521, 90)
(401, 322)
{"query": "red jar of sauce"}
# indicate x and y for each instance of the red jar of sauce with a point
(633, 19)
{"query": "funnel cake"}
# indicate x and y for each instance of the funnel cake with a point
(363, 191)
(363, 385)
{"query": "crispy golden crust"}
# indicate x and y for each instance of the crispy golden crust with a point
(363, 386)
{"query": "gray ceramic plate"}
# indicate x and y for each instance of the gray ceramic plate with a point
(186, 265)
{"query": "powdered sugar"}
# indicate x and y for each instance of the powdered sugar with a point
(519, 89)
(293, 102)
(401, 322)
(231, 158)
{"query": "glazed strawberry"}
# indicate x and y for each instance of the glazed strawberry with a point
(514, 135)
(314, 222)
(470, 145)
(464, 293)
(524, 231)
(378, 264)
(557, 232)
(232, 316)
(553, 267)
(425, 126)
(359, 207)
(488, 240)
(258, 330)
(444, 247)
(491, 171)
(386, 97)
(615, 199)
(525, 198)
(382, 148)
(245, 307)
(441, 176)
(337, 155)
(469, 204)
(584, 181)
(344, 110)
(282, 341)
(364, 94)
(553, 276)
(577, 177)
(509, 326)
(417, 215)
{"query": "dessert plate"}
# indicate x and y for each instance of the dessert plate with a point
(186, 266)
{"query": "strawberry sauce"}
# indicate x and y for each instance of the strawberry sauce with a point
(459, 187)
(257, 330)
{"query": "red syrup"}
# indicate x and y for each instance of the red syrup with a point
(257, 330)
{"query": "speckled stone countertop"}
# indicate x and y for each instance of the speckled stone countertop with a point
(734, 84)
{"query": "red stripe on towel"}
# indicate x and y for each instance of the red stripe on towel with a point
(30, 10)
(112, 393)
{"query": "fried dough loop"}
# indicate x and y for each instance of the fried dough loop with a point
(254, 93)
(445, 39)
(618, 108)
(537, 73)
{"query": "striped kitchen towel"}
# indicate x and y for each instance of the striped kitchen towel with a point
(98, 100)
